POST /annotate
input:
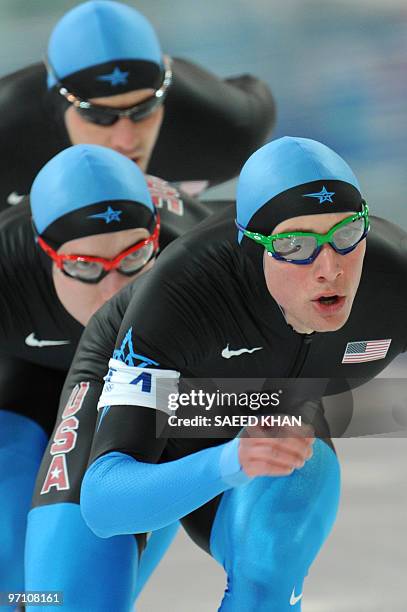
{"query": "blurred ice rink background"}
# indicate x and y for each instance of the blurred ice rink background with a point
(338, 72)
(337, 68)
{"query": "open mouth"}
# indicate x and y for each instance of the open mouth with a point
(329, 303)
(328, 299)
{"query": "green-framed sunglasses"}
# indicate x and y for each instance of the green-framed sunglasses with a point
(304, 247)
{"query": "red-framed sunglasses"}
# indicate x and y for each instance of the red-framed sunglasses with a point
(90, 269)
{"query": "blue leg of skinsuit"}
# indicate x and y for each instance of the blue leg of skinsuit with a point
(157, 545)
(267, 533)
(98, 574)
(22, 443)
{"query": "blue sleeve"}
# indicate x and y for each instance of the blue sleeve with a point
(121, 495)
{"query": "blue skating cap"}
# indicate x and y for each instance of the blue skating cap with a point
(102, 48)
(86, 190)
(291, 177)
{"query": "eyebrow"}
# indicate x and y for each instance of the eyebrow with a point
(310, 230)
(298, 230)
(290, 231)
(144, 98)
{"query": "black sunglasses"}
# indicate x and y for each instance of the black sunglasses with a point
(105, 115)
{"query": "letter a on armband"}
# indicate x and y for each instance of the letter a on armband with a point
(145, 379)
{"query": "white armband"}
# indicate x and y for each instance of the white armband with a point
(134, 386)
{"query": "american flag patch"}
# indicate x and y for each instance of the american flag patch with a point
(365, 350)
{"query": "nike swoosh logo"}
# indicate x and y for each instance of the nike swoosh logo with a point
(31, 340)
(14, 198)
(227, 353)
(294, 599)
